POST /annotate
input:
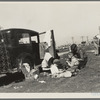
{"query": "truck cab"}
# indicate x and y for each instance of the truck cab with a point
(21, 50)
(18, 46)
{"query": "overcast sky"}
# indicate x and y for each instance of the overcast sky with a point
(67, 19)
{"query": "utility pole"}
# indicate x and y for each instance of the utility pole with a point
(67, 42)
(87, 39)
(99, 29)
(82, 38)
(72, 39)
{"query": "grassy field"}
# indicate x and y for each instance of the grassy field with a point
(87, 81)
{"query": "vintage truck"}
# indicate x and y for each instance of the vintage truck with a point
(18, 46)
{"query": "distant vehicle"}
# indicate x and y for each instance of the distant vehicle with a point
(18, 46)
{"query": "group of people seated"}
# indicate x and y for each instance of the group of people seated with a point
(75, 60)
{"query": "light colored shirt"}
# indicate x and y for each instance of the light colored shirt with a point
(47, 56)
(74, 62)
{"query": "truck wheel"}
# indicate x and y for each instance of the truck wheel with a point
(26, 68)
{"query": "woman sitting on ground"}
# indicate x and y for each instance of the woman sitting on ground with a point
(80, 54)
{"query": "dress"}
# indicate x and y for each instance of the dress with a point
(73, 64)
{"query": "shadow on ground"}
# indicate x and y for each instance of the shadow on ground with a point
(8, 79)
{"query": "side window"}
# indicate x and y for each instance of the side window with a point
(24, 38)
(34, 39)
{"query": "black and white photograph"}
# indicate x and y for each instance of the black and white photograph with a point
(50, 47)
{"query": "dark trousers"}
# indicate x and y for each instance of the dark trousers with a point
(83, 63)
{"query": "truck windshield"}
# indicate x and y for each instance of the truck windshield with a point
(1, 37)
(5, 36)
(34, 39)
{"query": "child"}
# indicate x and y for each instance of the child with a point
(72, 62)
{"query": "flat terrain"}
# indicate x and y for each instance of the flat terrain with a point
(87, 80)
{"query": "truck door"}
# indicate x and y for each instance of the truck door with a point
(52, 49)
(35, 48)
